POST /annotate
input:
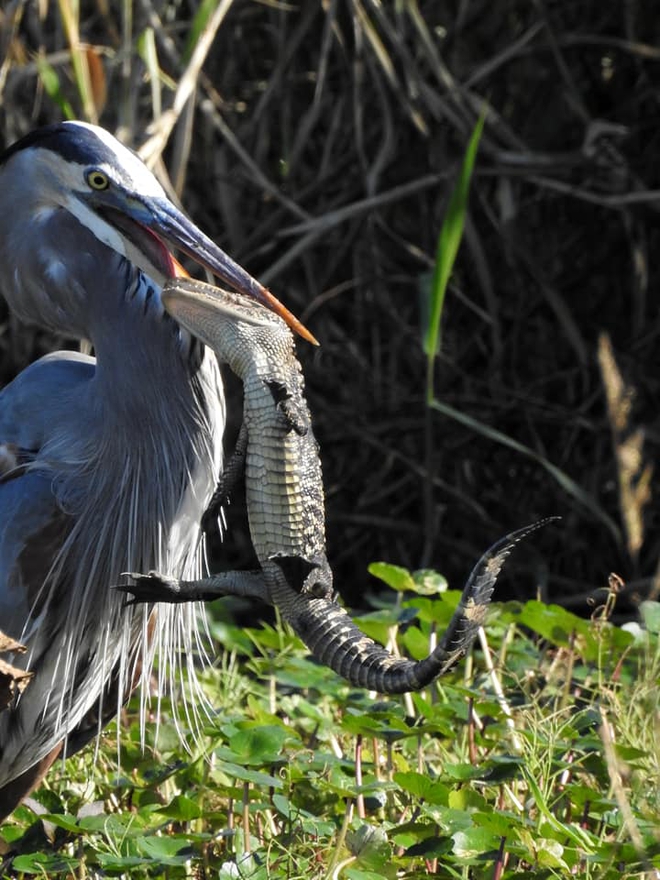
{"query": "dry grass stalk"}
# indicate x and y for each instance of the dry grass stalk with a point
(633, 472)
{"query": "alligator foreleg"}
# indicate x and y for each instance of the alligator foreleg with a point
(231, 474)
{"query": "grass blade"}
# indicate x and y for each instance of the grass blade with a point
(146, 47)
(449, 241)
(567, 484)
(70, 15)
(51, 83)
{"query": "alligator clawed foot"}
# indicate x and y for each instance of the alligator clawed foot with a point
(151, 587)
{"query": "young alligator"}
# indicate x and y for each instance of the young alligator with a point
(285, 502)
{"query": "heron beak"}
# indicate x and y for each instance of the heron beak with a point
(168, 223)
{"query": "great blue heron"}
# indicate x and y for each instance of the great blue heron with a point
(117, 455)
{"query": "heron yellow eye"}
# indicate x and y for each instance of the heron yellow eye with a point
(97, 179)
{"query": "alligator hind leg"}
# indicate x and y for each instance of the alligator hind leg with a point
(155, 587)
(15, 791)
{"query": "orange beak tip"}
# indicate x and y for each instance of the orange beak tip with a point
(288, 317)
(301, 330)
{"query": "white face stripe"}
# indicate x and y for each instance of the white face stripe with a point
(95, 223)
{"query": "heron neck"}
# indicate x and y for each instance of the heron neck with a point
(157, 403)
(142, 362)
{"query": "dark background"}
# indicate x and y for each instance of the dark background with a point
(320, 150)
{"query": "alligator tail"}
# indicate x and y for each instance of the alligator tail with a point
(337, 642)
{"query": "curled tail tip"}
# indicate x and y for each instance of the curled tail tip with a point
(471, 612)
(482, 579)
(512, 538)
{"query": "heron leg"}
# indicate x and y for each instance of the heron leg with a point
(155, 587)
(18, 789)
(231, 474)
(117, 692)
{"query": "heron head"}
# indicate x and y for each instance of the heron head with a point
(83, 170)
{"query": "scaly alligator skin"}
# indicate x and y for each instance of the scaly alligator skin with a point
(285, 501)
